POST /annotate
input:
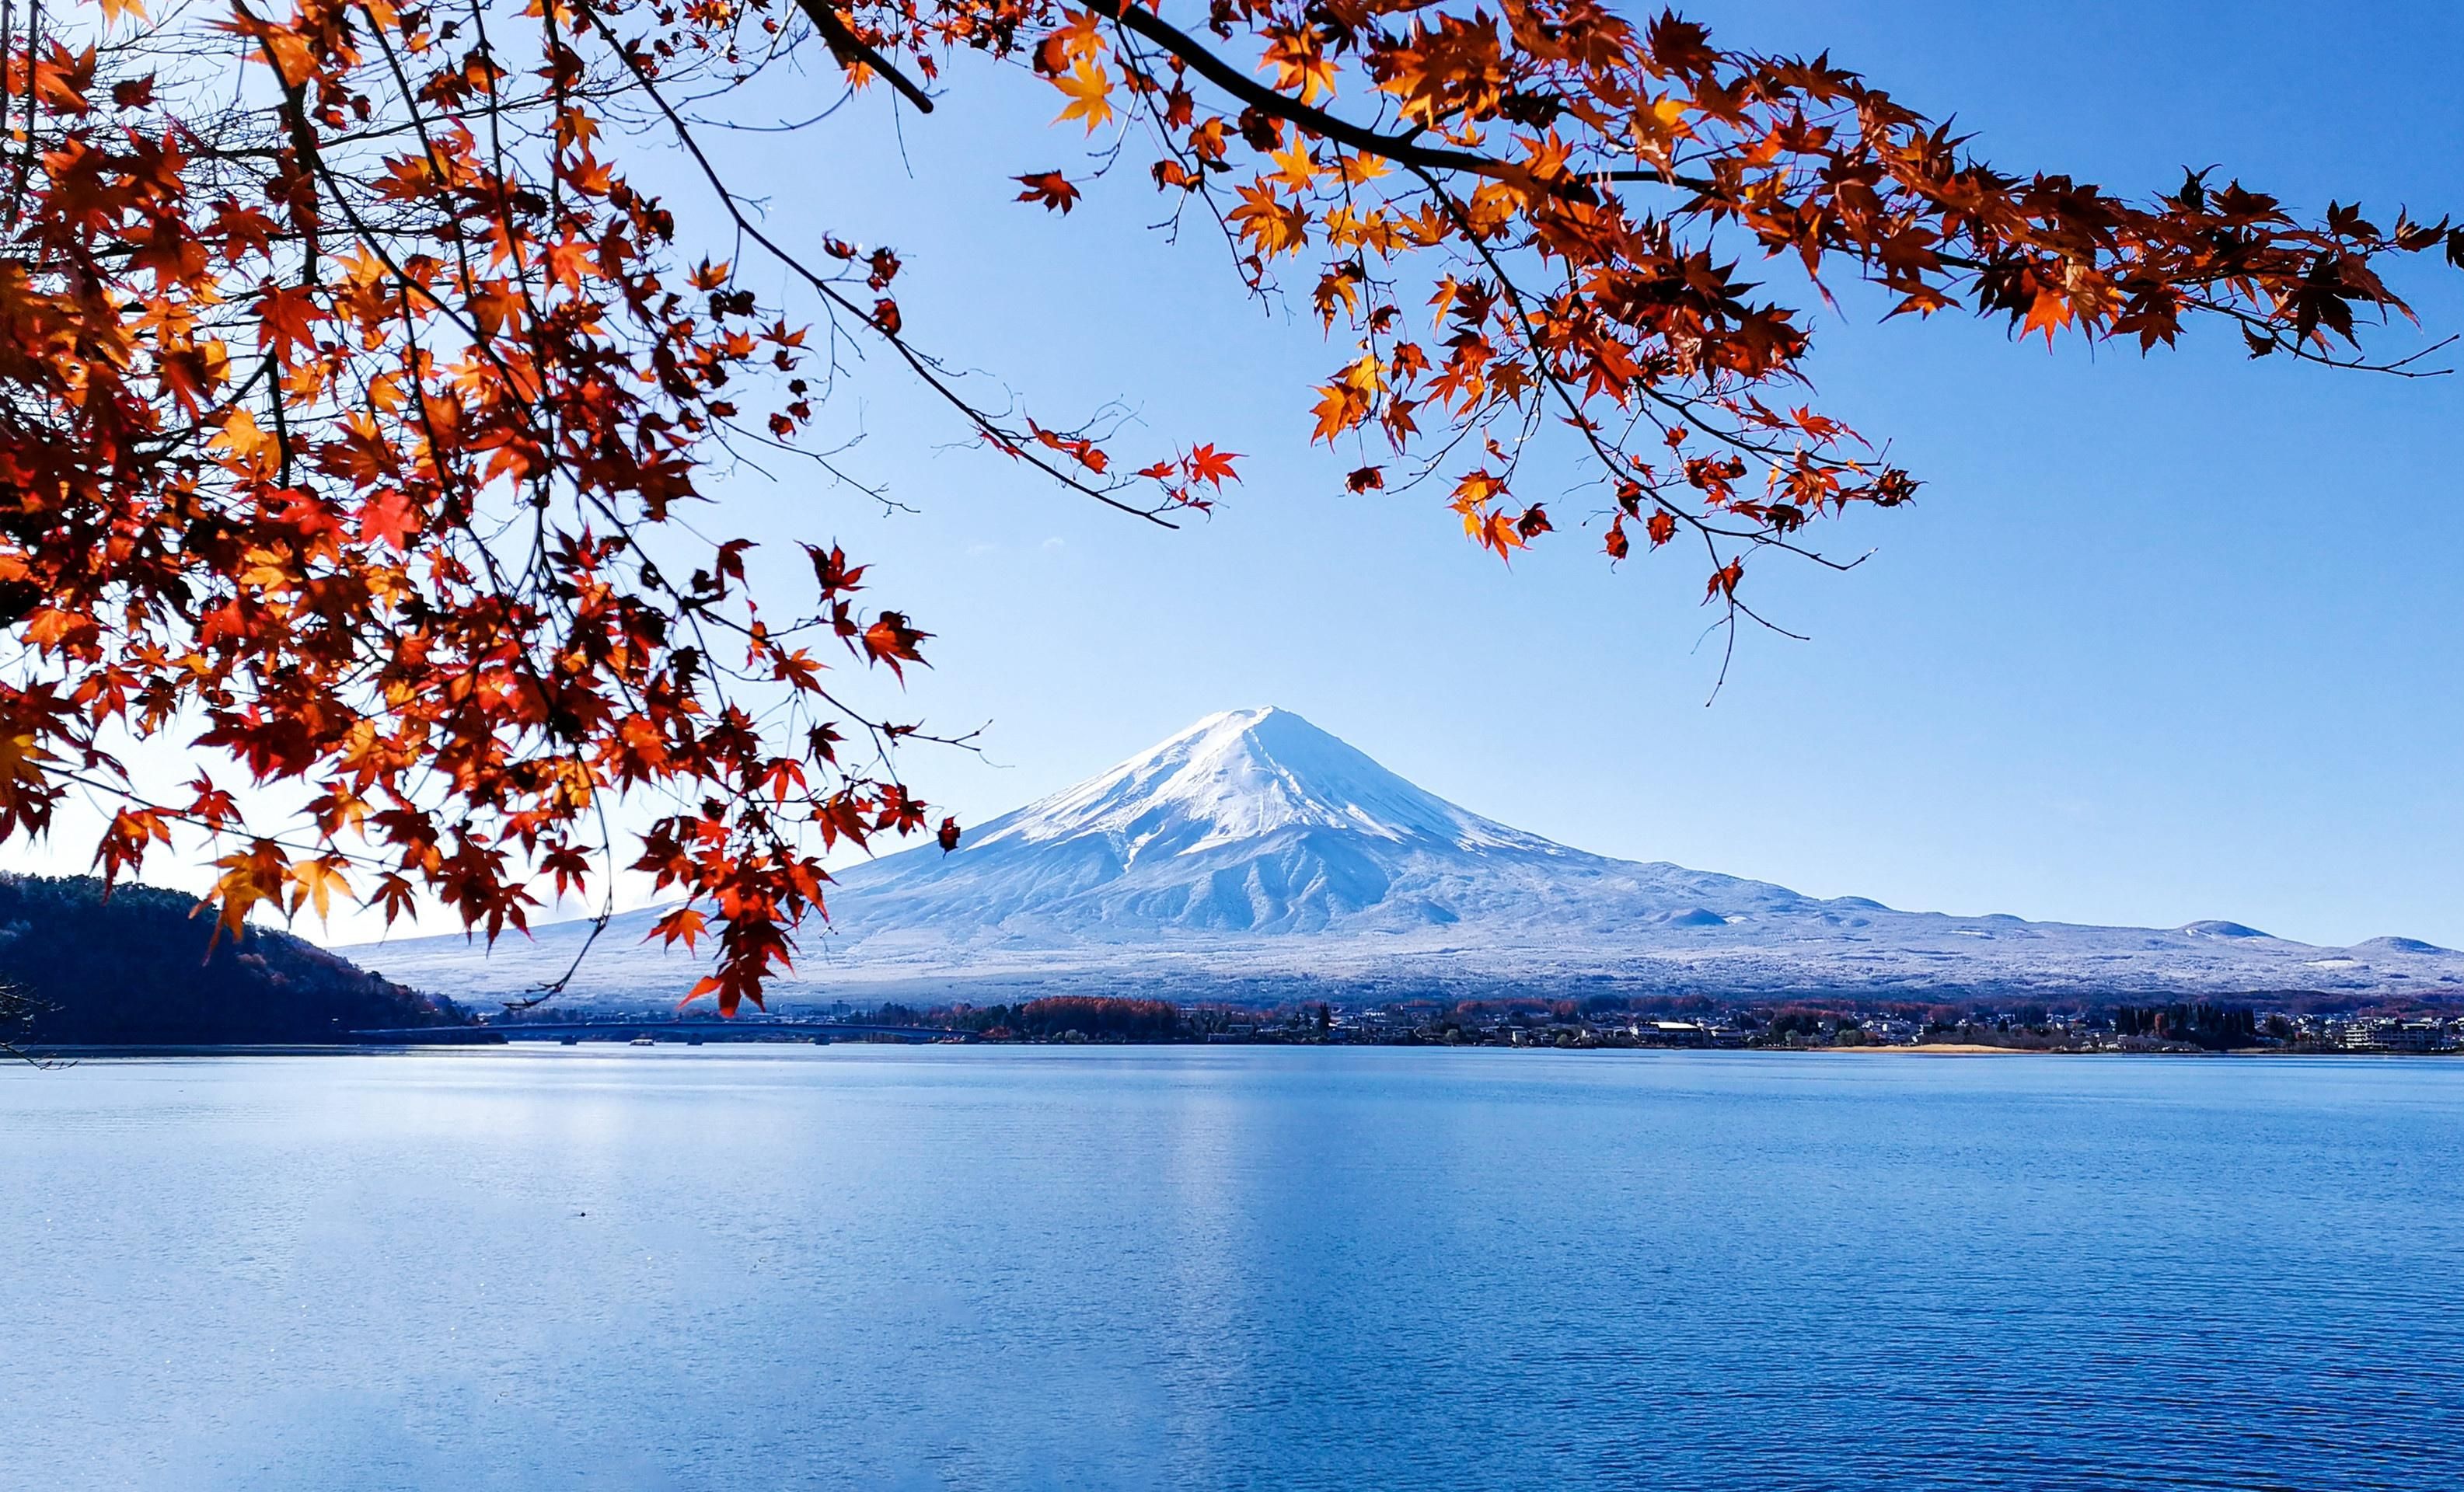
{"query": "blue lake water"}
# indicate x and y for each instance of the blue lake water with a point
(924, 1269)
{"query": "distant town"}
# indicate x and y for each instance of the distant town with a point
(1592, 1023)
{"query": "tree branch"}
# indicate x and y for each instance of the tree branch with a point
(848, 47)
(1398, 148)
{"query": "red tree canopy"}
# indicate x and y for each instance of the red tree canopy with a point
(350, 418)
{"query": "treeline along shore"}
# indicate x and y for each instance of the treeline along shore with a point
(82, 965)
(2291, 1023)
(135, 967)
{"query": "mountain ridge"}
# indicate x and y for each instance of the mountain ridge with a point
(1253, 851)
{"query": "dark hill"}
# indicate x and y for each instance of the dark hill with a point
(134, 971)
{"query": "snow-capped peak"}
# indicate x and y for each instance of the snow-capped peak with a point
(1253, 852)
(1244, 775)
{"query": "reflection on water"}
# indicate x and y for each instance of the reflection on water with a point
(733, 1268)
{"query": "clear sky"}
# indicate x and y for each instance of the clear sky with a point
(2164, 639)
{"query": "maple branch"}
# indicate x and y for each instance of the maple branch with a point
(217, 828)
(845, 45)
(1400, 148)
(915, 362)
(303, 138)
(282, 424)
(1403, 150)
(1607, 454)
(2274, 340)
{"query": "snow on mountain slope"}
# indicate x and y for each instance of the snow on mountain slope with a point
(1242, 774)
(1253, 849)
(1250, 822)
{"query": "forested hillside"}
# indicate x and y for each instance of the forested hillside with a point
(135, 969)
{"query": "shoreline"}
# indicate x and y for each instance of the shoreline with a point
(1980, 1049)
(70, 1054)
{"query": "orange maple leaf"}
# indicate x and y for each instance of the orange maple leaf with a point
(1089, 90)
(1049, 188)
(891, 640)
(1206, 463)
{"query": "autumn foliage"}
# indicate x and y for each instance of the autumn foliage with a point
(352, 414)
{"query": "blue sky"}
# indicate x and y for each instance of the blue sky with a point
(2164, 639)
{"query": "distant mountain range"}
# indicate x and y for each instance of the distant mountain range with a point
(1253, 855)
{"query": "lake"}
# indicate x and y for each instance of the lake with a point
(1230, 1267)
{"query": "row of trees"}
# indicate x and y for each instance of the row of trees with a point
(2216, 1027)
(1090, 1015)
(1114, 1017)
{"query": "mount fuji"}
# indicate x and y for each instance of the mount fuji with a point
(1254, 855)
